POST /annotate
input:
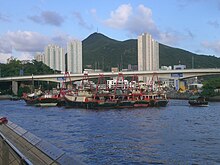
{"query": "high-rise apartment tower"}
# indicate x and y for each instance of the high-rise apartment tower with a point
(54, 57)
(148, 54)
(74, 56)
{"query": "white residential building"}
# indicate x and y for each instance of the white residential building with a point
(39, 57)
(55, 57)
(74, 56)
(148, 54)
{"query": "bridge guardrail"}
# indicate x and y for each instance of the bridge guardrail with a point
(10, 154)
(20, 147)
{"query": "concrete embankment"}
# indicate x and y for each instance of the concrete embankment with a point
(5, 97)
(36, 150)
(214, 98)
(185, 96)
(176, 95)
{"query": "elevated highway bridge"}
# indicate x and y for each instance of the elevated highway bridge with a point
(178, 74)
(181, 74)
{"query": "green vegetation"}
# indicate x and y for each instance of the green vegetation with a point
(171, 56)
(22, 90)
(209, 87)
(16, 68)
(101, 52)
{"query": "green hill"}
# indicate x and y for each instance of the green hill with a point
(102, 52)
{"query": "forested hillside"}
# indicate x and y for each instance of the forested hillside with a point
(102, 52)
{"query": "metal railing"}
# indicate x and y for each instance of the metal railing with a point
(10, 155)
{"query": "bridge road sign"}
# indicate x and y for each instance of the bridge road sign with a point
(176, 75)
(61, 78)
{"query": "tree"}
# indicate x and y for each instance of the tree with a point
(209, 87)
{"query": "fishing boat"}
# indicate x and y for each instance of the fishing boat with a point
(31, 99)
(144, 100)
(79, 99)
(47, 100)
(41, 99)
(198, 101)
(158, 100)
(140, 100)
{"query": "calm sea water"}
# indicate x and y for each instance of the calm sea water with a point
(176, 134)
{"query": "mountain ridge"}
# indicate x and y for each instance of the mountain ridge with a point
(102, 52)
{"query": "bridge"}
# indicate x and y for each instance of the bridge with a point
(181, 74)
(178, 74)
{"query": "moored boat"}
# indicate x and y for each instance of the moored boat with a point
(31, 99)
(158, 100)
(47, 100)
(140, 100)
(41, 99)
(141, 103)
(198, 101)
(150, 100)
(79, 99)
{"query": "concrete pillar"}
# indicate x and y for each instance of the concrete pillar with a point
(176, 83)
(15, 87)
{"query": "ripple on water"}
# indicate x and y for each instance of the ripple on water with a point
(176, 134)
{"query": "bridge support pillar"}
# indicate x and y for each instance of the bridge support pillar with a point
(15, 87)
(176, 84)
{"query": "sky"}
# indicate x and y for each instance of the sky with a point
(27, 26)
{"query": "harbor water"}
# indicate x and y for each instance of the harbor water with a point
(176, 134)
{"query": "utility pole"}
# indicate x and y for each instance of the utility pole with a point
(192, 62)
(32, 85)
(121, 62)
(103, 62)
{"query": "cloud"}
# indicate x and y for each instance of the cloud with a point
(5, 46)
(4, 18)
(26, 56)
(26, 41)
(134, 21)
(170, 37)
(120, 17)
(81, 21)
(214, 46)
(48, 17)
(60, 39)
(4, 57)
(93, 11)
(214, 24)
(138, 21)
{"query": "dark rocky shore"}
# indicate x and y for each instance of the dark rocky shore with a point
(186, 95)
